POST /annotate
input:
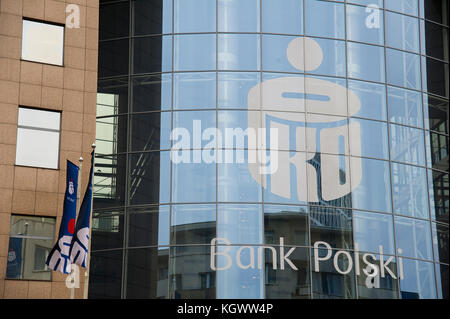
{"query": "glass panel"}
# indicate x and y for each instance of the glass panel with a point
(187, 56)
(405, 107)
(436, 114)
(442, 280)
(410, 7)
(149, 179)
(195, 16)
(435, 77)
(274, 53)
(152, 54)
(152, 93)
(413, 238)
(407, 145)
(149, 226)
(191, 276)
(42, 42)
(239, 52)
(114, 58)
(107, 230)
(37, 148)
(368, 138)
(282, 19)
(331, 225)
(403, 69)
(324, 19)
(440, 242)
(193, 224)
(419, 281)
(439, 195)
(373, 192)
(406, 35)
(151, 131)
(327, 282)
(194, 122)
(39, 118)
(289, 222)
(111, 135)
(147, 273)
(366, 62)
(434, 40)
(370, 230)
(365, 24)
(372, 97)
(114, 20)
(105, 277)
(409, 187)
(239, 16)
(334, 60)
(437, 151)
(379, 3)
(436, 10)
(112, 97)
(233, 89)
(240, 224)
(195, 91)
(152, 17)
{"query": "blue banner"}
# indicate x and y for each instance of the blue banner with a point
(58, 259)
(80, 241)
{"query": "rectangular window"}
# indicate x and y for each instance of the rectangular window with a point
(30, 241)
(38, 135)
(42, 42)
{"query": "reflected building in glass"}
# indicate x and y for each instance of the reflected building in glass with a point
(343, 190)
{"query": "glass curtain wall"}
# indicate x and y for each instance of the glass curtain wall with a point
(358, 92)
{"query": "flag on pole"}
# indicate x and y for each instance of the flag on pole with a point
(80, 241)
(58, 259)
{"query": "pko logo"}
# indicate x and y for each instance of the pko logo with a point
(311, 116)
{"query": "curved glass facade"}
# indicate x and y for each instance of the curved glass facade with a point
(272, 149)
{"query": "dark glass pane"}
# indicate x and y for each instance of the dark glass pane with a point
(111, 135)
(437, 150)
(442, 280)
(152, 54)
(113, 58)
(112, 97)
(289, 222)
(147, 273)
(107, 230)
(436, 114)
(332, 225)
(152, 17)
(105, 275)
(152, 93)
(193, 224)
(114, 20)
(439, 195)
(434, 40)
(149, 178)
(109, 181)
(150, 131)
(436, 10)
(191, 276)
(287, 283)
(435, 77)
(149, 226)
(440, 242)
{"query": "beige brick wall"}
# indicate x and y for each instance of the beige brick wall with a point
(70, 89)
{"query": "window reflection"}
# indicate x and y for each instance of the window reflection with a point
(419, 281)
(366, 62)
(325, 19)
(410, 7)
(403, 69)
(439, 194)
(373, 139)
(238, 52)
(151, 131)
(436, 114)
(105, 274)
(372, 97)
(152, 17)
(437, 150)
(148, 226)
(442, 280)
(195, 91)
(239, 16)
(371, 230)
(413, 237)
(287, 19)
(405, 107)
(109, 180)
(194, 16)
(435, 77)
(289, 222)
(188, 57)
(440, 242)
(407, 145)
(406, 36)
(152, 93)
(193, 224)
(233, 88)
(357, 29)
(152, 54)
(107, 229)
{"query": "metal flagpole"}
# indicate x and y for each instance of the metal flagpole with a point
(88, 257)
(79, 190)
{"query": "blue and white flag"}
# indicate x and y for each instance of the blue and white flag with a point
(80, 241)
(58, 259)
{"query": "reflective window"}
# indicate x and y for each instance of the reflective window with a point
(194, 122)
(379, 3)
(435, 77)
(372, 97)
(334, 60)
(439, 195)
(114, 59)
(325, 19)
(437, 150)
(365, 24)
(151, 17)
(407, 145)
(413, 237)
(436, 114)
(195, 16)
(147, 273)
(366, 62)
(151, 131)
(406, 36)
(403, 69)
(368, 138)
(238, 52)
(152, 93)
(233, 89)
(113, 23)
(193, 224)
(435, 10)
(110, 135)
(289, 222)
(371, 230)
(239, 16)
(30, 242)
(152, 54)
(410, 7)
(38, 138)
(433, 40)
(112, 97)
(373, 192)
(285, 19)
(148, 226)
(419, 281)
(107, 229)
(188, 57)
(274, 56)
(440, 242)
(42, 42)
(105, 274)
(409, 188)
(195, 91)
(442, 280)
(405, 107)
